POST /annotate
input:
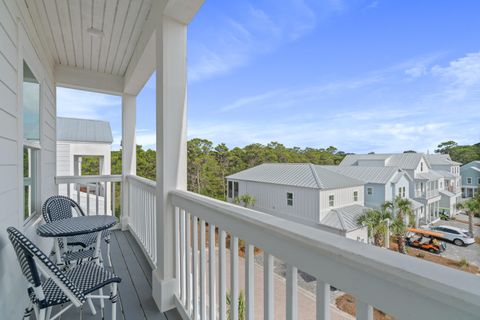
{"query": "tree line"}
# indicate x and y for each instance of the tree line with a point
(209, 164)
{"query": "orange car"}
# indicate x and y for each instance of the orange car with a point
(416, 239)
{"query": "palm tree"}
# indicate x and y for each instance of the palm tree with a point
(471, 206)
(376, 222)
(398, 227)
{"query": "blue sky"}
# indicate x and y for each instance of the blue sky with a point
(383, 76)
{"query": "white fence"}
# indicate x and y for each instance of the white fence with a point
(402, 286)
(95, 194)
(142, 208)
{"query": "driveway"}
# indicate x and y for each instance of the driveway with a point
(470, 253)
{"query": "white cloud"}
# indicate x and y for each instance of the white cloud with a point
(252, 31)
(85, 104)
(464, 71)
(417, 71)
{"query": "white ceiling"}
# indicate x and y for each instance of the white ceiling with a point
(65, 24)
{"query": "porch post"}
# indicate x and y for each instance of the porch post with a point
(171, 80)
(129, 152)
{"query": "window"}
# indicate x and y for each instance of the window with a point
(421, 166)
(289, 199)
(230, 189)
(441, 184)
(331, 200)
(400, 191)
(369, 191)
(469, 180)
(235, 189)
(404, 193)
(478, 182)
(31, 137)
(355, 196)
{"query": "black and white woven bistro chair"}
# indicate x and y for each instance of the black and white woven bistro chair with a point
(49, 286)
(60, 207)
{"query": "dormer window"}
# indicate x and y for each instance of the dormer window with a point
(421, 166)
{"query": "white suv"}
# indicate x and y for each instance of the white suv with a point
(459, 237)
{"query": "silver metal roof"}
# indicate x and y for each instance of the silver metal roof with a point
(381, 175)
(401, 160)
(430, 175)
(344, 218)
(446, 174)
(83, 130)
(447, 193)
(415, 204)
(298, 174)
(440, 159)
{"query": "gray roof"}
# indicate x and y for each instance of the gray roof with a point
(475, 168)
(296, 174)
(401, 160)
(448, 193)
(415, 204)
(83, 130)
(440, 159)
(381, 175)
(430, 175)
(446, 174)
(344, 218)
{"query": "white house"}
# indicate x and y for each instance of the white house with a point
(425, 183)
(306, 193)
(114, 47)
(77, 139)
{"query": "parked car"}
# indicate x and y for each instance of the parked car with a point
(459, 237)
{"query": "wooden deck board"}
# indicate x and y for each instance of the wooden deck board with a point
(135, 300)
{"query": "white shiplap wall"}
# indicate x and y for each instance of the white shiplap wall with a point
(21, 41)
(272, 198)
(343, 197)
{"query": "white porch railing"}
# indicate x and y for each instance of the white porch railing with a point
(402, 286)
(141, 219)
(95, 194)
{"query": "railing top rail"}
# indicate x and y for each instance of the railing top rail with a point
(390, 281)
(87, 179)
(141, 180)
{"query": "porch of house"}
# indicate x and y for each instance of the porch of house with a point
(135, 291)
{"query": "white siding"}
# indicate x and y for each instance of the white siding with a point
(15, 47)
(343, 197)
(272, 198)
(360, 234)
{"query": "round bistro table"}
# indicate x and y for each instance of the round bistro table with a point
(73, 227)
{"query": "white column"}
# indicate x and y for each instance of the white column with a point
(171, 79)
(129, 153)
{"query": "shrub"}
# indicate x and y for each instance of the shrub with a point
(463, 263)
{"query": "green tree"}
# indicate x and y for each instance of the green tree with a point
(403, 208)
(471, 206)
(377, 223)
(446, 147)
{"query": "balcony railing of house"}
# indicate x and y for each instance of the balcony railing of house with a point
(402, 286)
(426, 194)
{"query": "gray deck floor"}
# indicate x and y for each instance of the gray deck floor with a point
(135, 301)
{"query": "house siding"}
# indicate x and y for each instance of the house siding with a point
(272, 198)
(15, 47)
(343, 197)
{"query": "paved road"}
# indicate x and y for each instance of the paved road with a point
(470, 253)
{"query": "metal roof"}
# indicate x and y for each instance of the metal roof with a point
(440, 159)
(447, 193)
(415, 204)
(344, 218)
(83, 130)
(446, 174)
(297, 174)
(430, 175)
(381, 175)
(402, 160)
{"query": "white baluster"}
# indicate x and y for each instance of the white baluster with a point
(249, 281)
(188, 260)
(203, 272)
(323, 300)
(182, 256)
(364, 310)
(223, 273)
(269, 298)
(212, 271)
(195, 267)
(233, 278)
(292, 296)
